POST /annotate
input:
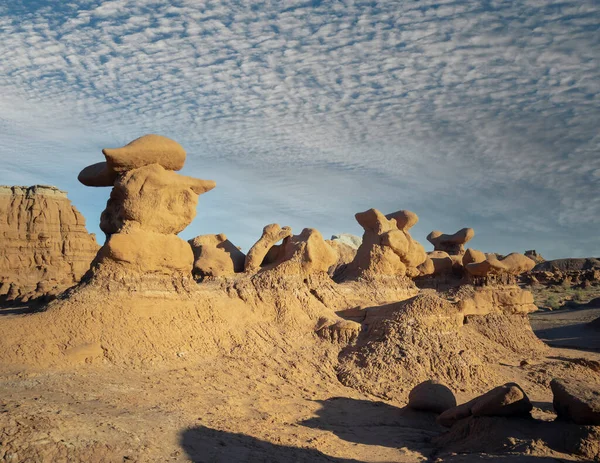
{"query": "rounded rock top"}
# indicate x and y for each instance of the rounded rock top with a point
(149, 149)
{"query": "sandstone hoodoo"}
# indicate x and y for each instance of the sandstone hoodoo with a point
(387, 249)
(452, 244)
(148, 206)
(266, 250)
(44, 245)
(215, 256)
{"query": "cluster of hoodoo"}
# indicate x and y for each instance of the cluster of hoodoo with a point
(149, 205)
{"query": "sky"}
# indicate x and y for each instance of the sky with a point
(482, 114)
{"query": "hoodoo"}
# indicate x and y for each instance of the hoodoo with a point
(148, 206)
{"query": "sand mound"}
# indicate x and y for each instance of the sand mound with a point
(424, 338)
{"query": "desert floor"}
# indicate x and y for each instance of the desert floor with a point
(227, 410)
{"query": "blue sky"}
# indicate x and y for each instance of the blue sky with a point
(483, 114)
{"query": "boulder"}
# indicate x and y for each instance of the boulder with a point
(146, 150)
(576, 401)
(506, 400)
(452, 244)
(431, 396)
(215, 255)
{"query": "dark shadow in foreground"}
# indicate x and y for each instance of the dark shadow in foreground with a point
(375, 423)
(206, 445)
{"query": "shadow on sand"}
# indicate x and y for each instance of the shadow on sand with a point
(578, 336)
(22, 308)
(375, 423)
(356, 421)
(206, 445)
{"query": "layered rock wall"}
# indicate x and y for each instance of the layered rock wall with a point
(44, 245)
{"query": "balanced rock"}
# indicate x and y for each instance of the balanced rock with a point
(148, 206)
(506, 400)
(431, 396)
(271, 235)
(576, 401)
(452, 244)
(215, 255)
(386, 249)
(44, 245)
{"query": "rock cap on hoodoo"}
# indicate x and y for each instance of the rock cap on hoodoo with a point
(149, 149)
(452, 244)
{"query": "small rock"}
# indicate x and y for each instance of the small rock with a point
(431, 396)
(576, 401)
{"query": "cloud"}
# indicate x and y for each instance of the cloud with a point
(480, 114)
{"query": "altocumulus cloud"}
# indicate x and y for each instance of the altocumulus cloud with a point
(471, 113)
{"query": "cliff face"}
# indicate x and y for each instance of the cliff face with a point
(44, 245)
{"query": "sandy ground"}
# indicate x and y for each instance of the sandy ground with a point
(226, 410)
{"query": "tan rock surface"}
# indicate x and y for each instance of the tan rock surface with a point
(146, 150)
(44, 245)
(143, 251)
(481, 300)
(215, 255)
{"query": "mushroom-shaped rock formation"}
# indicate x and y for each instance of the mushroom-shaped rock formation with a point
(452, 244)
(513, 264)
(149, 204)
(215, 255)
(263, 248)
(386, 249)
